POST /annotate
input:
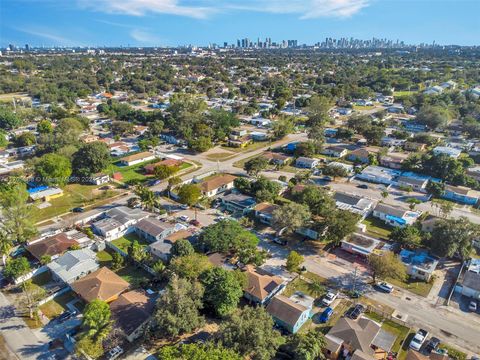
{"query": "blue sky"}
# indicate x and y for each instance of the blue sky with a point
(199, 22)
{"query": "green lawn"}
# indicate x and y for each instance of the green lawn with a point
(58, 305)
(454, 353)
(75, 195)
(377, 228)
(220, 156)
(104, 258)
(134, 275)
(415, 286)
(251, 147)
(400, 331)
(403, 93)
(124, 242)
(131, 174)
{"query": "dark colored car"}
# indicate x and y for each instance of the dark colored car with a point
(195, 222)
(433, 344)
(355, 311)
(78, 210)
(327, 314)
(362, 186)
(66, 316)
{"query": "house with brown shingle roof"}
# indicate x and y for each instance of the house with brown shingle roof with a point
(52, 246)
(261, 286)
(217, 184)
(289, 313)
(131, 312)
(102, 284)
(264, 212)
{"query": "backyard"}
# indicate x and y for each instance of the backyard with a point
(130, 174)
(125, 241)
(58, 305)
(74, 195)
(417, 287)
(377, 228)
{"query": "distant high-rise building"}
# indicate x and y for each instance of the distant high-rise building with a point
(27, 47)
(11, 47)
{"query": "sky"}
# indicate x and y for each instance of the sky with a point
(200, 22)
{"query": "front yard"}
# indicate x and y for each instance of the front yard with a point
(74, 195)
(417, 287)
(130, 174)
(58, 305)
(399, 331)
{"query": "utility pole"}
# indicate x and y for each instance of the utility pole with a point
(354, 280)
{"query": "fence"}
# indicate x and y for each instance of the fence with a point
(31, 274)
(54, 295)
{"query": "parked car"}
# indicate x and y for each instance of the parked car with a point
(362, 186)
(355, 311)
(383, 286)
(184, 206)
(418, 339)
(280, 241)
(472, 306)
(66, 315)
(78, 210)
(432, 344)
(184, 218)
(195, 222)
(326, 314)
(115, 352)
(329, 298)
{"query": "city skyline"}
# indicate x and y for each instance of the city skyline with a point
(175, 23)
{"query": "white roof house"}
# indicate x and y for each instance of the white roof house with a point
(73, 265)
(450, 151)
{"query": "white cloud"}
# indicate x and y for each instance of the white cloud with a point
(144, 7)
(306, 9)
(49, 35)
(145, 37)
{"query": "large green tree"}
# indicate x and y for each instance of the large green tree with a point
(197, 352)
(52, 169)
(90, 159)
(223, 290)
(387, 265)
(454, 236)
(250, 332)
(178, 309)
(305, 346)
(96, 320)
(290, 216)
(190, 266)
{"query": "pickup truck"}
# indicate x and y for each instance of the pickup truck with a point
(418, 339)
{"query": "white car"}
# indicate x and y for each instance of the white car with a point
(184, 218)
(386, 287)
(329, 298)
(472, 306)
(115, 352)
(418, 339)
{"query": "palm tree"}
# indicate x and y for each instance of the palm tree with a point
(5, 245)
(316, 288)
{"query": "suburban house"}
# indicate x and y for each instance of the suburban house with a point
(102, 284)
(131, 312)
(306, 163)
(276, 158)
(44, 193)
(389, 141)
(261, 286)
(52, 246)
(264, 212)
(393, 160)
(335, 151)
(452, 152)
(429, 222)
(240, 142)
(353, 203)
(152, 229)
(378, 174)
(469, 284)
(395, 216)
(414, 146)
(290, 313)
(359, 156)
(358, 339)
(347, 167)
(359, 244)
(416, 183)
(73, 265)
(419, 264)
(234, 202)
(117, 221)
(99, 179)
(137, 158)
(461, 194)
(217, 184)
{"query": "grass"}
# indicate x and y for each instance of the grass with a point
(134, 275)
(219, 156)
(74, 195)
(377, 228)
(417, 287)
(453, 353)
(403, 93)
(104, 258)
(251, 147)
(400, 331)
(131, 174)
(124, 242)
(241, 163)
(58, 305)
